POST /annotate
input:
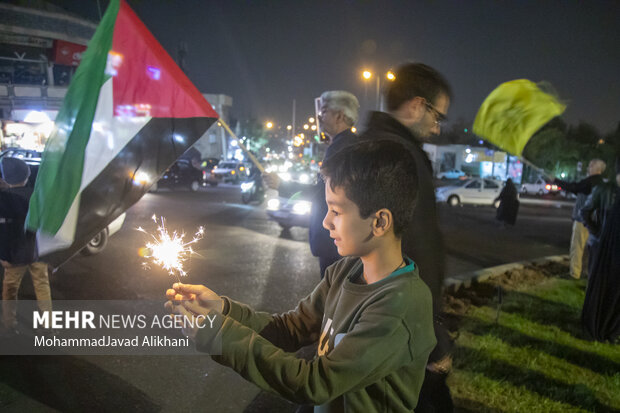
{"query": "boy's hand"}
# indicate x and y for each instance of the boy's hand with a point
(201, 294)
(191, 301)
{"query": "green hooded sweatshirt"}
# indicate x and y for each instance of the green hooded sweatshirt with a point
(373, 342)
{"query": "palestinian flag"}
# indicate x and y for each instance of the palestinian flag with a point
(129, 113)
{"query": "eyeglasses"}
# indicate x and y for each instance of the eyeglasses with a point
(440, 118)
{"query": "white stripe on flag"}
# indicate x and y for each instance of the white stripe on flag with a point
(108, 136)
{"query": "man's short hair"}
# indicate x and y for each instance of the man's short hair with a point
(376, 174)
(343, 101)
(412, 80)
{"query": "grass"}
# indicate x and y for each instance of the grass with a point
(531, 355)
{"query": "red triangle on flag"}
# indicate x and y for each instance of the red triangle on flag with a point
(147, 82)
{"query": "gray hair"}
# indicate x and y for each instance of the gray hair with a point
(343, 101)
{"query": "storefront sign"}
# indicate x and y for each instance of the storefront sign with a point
(25, 40)
(69, 54)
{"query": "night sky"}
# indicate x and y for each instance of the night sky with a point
(266, 53)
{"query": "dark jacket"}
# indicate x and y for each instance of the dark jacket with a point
(321, 244)
(17, 246)
(422, 241)
(597, 207)
(582, 189)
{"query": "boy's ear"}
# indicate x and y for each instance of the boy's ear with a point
(383, 222)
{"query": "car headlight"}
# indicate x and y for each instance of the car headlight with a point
(246, 186)
(273, 204)
(302, 207)
(304, 178)
(285, 176)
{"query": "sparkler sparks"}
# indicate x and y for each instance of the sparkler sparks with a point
(168, 251)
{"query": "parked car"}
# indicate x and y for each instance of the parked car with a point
(451, 174)
(33, 159)
(180, 175)
(228, 171)
(539, 187)
(479, 191)
(291, 212)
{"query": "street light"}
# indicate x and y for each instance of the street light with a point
(269, 125)
(367, 75)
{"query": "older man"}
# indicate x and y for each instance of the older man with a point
(338, 114)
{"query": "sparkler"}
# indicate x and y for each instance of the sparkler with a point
(168, 251)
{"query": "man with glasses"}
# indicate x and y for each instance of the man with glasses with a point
(417, 101)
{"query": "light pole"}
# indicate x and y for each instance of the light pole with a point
(367, 75)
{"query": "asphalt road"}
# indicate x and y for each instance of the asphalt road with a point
(244, 256)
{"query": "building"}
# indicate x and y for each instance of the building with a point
(474, 161)
(40, 49)
(215, 143)
(39, 52)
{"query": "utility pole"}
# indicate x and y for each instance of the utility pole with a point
(293, 130)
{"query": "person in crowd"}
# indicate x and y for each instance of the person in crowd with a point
(417, 102)
(370, 316)
(508, 204)
(580, 233)
(600, 316)
(18, 248)
(338, 114)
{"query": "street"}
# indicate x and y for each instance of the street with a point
(245, 256)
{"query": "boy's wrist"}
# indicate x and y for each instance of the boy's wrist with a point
(225, 306)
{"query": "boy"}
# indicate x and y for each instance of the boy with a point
(371, 314)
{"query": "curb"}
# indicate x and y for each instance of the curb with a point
(465, 280)
(547, 202)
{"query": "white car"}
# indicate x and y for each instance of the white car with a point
(451, 174)
(479, 191)
(539, 187)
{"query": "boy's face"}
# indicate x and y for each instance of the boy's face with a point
(351, 233)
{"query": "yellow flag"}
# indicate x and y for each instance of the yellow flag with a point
(513, 112)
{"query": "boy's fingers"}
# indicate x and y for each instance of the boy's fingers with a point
(189, 288)
(195, 308)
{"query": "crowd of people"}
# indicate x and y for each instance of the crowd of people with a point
(376, 312)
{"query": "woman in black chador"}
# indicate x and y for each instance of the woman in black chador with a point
(508, 204)
(600, 316)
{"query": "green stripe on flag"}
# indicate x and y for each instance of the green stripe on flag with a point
(60, 175)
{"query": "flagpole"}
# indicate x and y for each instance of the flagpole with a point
(540, 170)
(243, 147)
